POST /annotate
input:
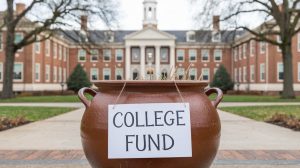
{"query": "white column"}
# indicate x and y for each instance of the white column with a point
(157, 62)
(172, 60)
(127, 64)
(143, 57)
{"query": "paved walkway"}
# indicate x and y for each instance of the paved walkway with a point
(56, 142)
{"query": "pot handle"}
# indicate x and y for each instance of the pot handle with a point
(219, 93)
(83, 99)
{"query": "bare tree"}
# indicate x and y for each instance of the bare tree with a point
(280, 19)
(46, 17)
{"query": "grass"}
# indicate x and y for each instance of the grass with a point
(42, 99)
(254, 98)
(32, 113)
(263, 113)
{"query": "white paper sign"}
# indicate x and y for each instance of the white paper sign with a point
(159, 130)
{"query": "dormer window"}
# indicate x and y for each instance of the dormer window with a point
(109, 36)
(190, 36)
(216, 36)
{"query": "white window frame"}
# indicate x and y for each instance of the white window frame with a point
(235, 54)
(221, 55)
(244, 50)
(54, 50)
(54, 74)
(64, 74)
(252, 73)
(298, 72)
(47, 48)
(278, 41)
(261, 45)
(202, 54)
(60, 52)
(278, 64)
(20, 33)
(208, 75)
(65, 53)
(47, 73)
(22, 72)
(193, 71)
(236, 75)
(37, 72)
(60, 75)
(240, 52)
(252, 48)
(37, 46)
(119, 70)
(183, 55)
(91, 55)
(1, 71)
(190, 55)
(240, 74)
(109, 55)
(180, 72)
(79, 55)
(245, 74)
(97, 74)
(298, 42)
(118, 51)
(104, 73)
(262, 68)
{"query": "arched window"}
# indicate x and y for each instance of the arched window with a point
(150, 13)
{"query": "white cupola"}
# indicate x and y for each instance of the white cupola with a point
(150, 17)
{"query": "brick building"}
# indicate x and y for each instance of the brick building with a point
(149, 53)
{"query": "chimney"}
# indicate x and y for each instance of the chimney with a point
(216, 23)
(84, 21)
(20, 7)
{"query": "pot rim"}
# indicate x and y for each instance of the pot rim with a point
(180, 83)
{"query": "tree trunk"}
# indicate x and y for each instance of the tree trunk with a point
(7, 91)
(288, 88)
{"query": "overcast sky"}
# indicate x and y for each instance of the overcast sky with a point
(172, 14)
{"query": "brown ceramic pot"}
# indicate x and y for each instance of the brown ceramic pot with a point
(205, 121)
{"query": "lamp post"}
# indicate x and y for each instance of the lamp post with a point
(62, 84)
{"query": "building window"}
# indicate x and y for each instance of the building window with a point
(244, 74)
(18, 71)
(164, 54)
(235, 75)
(59, 52)
(37, 72)
(119, 73)
(278, 39)
(180, 73)
(94, 55)
(262, 46)
(135, 74)
(94, 74)
(59, 74)
(54, 50)
(235, 53)
(240, 52)
(47, 73)
(18, 38)
(193, 55)
(245, 50)
(1, 71)
(218, 55)
(164, 75)
(262, 72)
(180, 55)
(135, 55)
(205, 74)
(240, 74)
(252, 48)
(47, 48)
(280, 75)
(37, 46)
(65, 54)
(106, 74)
(298, 71)
(1, 41)
(119, 55)
(216, 36)
(252, 73)
(205, 55)
(193, 74)
(150, 55)
(190, 36)
(298, 42)
(81, 55)
(65, 74)
(107, 55)
(54, 74)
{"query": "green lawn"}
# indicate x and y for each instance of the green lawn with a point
(32, 113)
(261, 113)
(41, 99)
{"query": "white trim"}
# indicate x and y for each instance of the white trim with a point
(37, 71)
(277, 71)
(121, 70)
(298, 74)
(78, 55)
(252, 73)
(278, 41)
(91, 55)
(298, 42)
(22, 72)
(60, 75)
(104, 73)
(47, 47)
(244, 50)
(29, 87)
(236, 75)
(37, 46)
(1, 41)
(262, 67)
(261, 45)
(202, 53)
(54, 73)
(252, 48)
(240, 75)
(278, 87)
(205, 69)
(221, 55)
(54, 50)
(91, 74)
(47, 71)
(183, 55)
(244, 74)
(60, 52)
(194, 70)
(116, 55)
(107, 49)
(235, 54)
